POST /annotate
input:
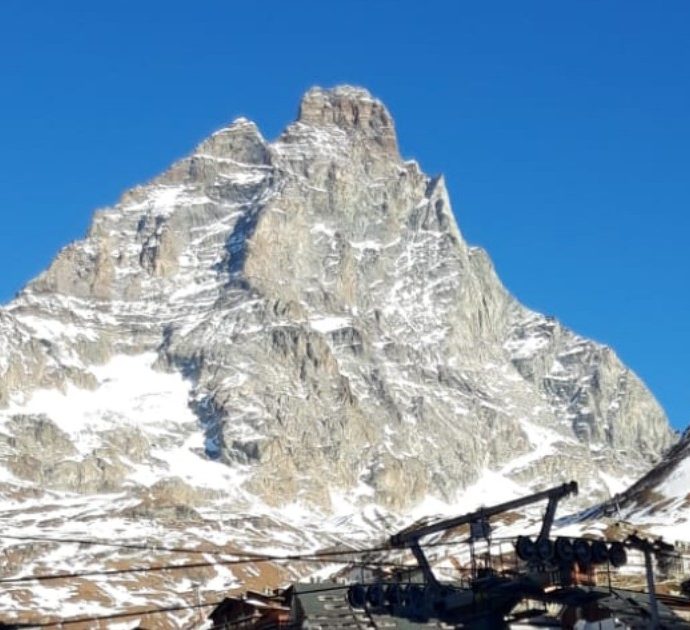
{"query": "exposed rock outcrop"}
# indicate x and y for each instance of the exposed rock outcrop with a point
(334, 328)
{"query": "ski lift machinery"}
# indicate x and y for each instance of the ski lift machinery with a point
(480, 527)
(491, 597)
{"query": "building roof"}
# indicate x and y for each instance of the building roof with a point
(325, 605)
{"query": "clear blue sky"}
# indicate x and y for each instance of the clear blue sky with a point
(563, 129)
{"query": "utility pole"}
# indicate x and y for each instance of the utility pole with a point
(197, 590)
(648, 549)
(198, 618)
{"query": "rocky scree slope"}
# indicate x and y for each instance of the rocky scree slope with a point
(295, 323)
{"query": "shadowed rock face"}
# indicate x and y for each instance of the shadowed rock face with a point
(335, 331)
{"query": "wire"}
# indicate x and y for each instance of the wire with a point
(237, 553)
(157, 611)
(103, 543)
(218, 552)
(241, 558)
(326, 556)
(200, 565)
(149, 611)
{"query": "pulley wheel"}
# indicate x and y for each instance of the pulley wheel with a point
(525, 548)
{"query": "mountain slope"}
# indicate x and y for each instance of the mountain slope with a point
(660, 500)
(297, 323)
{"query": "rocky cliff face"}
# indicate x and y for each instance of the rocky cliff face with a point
(301, 322)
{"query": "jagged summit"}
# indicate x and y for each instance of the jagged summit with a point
(240, 141)
(296, 326)
(344, 108)
(352, 109)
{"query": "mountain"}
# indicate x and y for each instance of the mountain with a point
(285, 345)
(660, 500)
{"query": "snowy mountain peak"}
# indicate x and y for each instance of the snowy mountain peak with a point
(295, 331)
